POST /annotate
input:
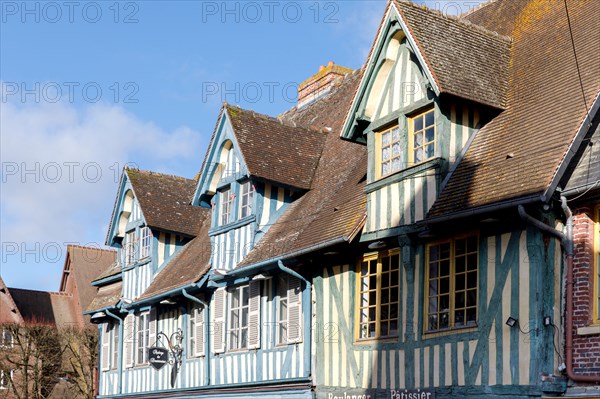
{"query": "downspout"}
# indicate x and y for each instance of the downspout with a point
(120, 368)
(566, 241)
(307, 320)
(206, 335)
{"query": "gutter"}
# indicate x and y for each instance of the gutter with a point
(566, 241)
(307, 320)
(120, 368)
(206, 335)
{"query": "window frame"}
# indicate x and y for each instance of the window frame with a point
(282, 319)
(240, 329)
(142, 338)
(378, 256)
(130, 256)
(379, 149)
(246, 210)
(411, 135)
(114, 346)
(225, 202)
(145, 242)
(596, 267)
(452, 286)
(4, 381)
(4, 333)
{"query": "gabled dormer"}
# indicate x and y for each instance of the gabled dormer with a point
(255, 167)
(151, 221)
(425, 91)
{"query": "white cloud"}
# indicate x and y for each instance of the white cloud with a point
(60, 170)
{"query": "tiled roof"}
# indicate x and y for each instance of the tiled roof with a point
(55, 308)
(112, 270)
(276, 150)
(335, 206)
(187, 266)
(9, 313)
(86, 264)
(466, 60)
(164, 200)
(517, 154)
(107, 296)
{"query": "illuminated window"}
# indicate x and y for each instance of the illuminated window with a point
(422, 137)
(378, 293)
(391, 154)
(452, 284)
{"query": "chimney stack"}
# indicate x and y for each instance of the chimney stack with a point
(320, 83)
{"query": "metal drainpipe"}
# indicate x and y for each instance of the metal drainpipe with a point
(206, 335)
(307, 320)
(566, 241)
(120, 369)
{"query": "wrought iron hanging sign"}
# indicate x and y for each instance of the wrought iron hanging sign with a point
(159, 356)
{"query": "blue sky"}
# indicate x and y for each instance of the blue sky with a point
(88, 87)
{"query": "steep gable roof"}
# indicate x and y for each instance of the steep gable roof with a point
(106, 297)
(83, 264)
(56, 308)
(276, 150)
(333, 210)
(518, 154)
(465, 60)
(164, 200)
(188, 265)
(9, 312)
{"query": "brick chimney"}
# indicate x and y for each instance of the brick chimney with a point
(320, 83)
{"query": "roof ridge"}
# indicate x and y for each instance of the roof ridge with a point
(151, 172)
(458, 19)
(87, 248)
(477, 8)
(57, 293)
(277, 119)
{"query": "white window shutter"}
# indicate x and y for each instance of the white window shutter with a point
(153, 327)
(128, 340)
(254, 331)
(219, 321)
(106, 347)
(199, 350)
(294, 327)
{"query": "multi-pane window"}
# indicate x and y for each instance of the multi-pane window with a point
(391, 151)
(225, 206)
(130, 248)
(238, 318)
(5, 378)
(6, 338)
(422, 136)
(145, 242)
(452, 268)
(114, 359)
(282, 310)
(379, 295)
(246, 196)
(143, 336)
(191, 344)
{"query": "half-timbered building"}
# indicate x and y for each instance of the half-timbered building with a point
(426, 226)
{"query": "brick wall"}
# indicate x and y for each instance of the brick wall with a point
(586, 348)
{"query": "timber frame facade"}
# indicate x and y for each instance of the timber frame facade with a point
(427, 226)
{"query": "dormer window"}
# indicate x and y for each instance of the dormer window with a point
(225, 206)
(130, 248)
(390, 151)
(421, 137)
(145, 242)
(246, 197)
